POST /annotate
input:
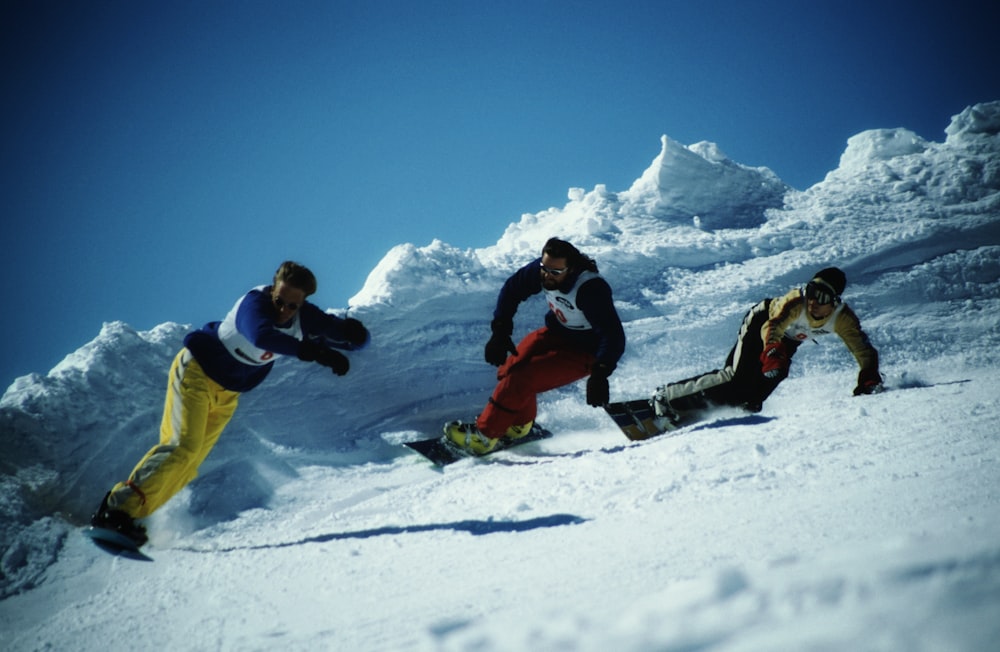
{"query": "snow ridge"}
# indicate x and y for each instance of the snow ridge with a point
(742, 533)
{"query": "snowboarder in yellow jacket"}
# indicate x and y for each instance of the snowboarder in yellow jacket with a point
(769, 336)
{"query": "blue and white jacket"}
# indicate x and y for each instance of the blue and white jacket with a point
(239, 351)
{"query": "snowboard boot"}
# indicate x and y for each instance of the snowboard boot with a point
(467, 437)
(516, 432)
(663, 409)
(114, 519)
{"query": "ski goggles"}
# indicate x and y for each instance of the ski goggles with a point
(554, 272)
(821, 293)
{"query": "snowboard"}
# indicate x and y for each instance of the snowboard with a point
(442, 452)
(638, 420)
(115, 543)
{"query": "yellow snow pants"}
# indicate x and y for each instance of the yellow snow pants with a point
(195, 412)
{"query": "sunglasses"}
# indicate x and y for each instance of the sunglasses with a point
(553, 272)
(282, 304)
(819, 294)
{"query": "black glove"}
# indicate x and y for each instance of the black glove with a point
(355, 332)
(313, 352)
(598, 393)
(869, 382)
(500, 343)
(309, 351)
(335, 360)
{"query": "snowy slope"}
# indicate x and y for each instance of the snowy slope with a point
(825, 522)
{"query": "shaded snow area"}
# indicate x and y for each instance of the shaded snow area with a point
(825, 522)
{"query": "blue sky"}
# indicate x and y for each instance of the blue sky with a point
(161, 158)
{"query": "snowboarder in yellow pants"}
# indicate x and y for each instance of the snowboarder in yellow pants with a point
(195, 412)
(220, 361)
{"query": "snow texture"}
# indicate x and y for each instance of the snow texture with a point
(826, 522)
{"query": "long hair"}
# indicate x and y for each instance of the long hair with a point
(557, 248)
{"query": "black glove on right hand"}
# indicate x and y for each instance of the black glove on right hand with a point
(500, 343)
(313, 352)
(356, 333)
(334, 360)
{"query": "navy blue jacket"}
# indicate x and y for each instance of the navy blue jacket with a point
(607, 338)
(255, 320)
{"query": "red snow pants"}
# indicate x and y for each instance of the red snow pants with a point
(544, 361)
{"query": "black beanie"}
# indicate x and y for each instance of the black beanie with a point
(833, 277)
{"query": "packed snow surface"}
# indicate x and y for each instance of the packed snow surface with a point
(825, 522)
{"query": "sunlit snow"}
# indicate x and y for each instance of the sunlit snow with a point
(826, 522)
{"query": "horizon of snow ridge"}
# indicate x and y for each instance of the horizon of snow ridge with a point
(915, 224)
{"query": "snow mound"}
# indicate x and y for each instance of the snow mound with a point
(421, 273)
(975, 123)
(879, 145)
(700, 185)
(744, 532)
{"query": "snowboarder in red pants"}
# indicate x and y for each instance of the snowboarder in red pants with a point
(582, 337)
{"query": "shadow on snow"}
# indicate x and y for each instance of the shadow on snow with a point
(473, 527)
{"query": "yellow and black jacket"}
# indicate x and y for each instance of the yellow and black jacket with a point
(789, 318)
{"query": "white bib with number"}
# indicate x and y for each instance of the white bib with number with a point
(243, 349)
(801, 329)
(563, 304)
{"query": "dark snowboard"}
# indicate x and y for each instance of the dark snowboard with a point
(638, 420)
(442, 452)
(115, 543)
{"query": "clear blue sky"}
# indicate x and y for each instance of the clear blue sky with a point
(160, 158)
